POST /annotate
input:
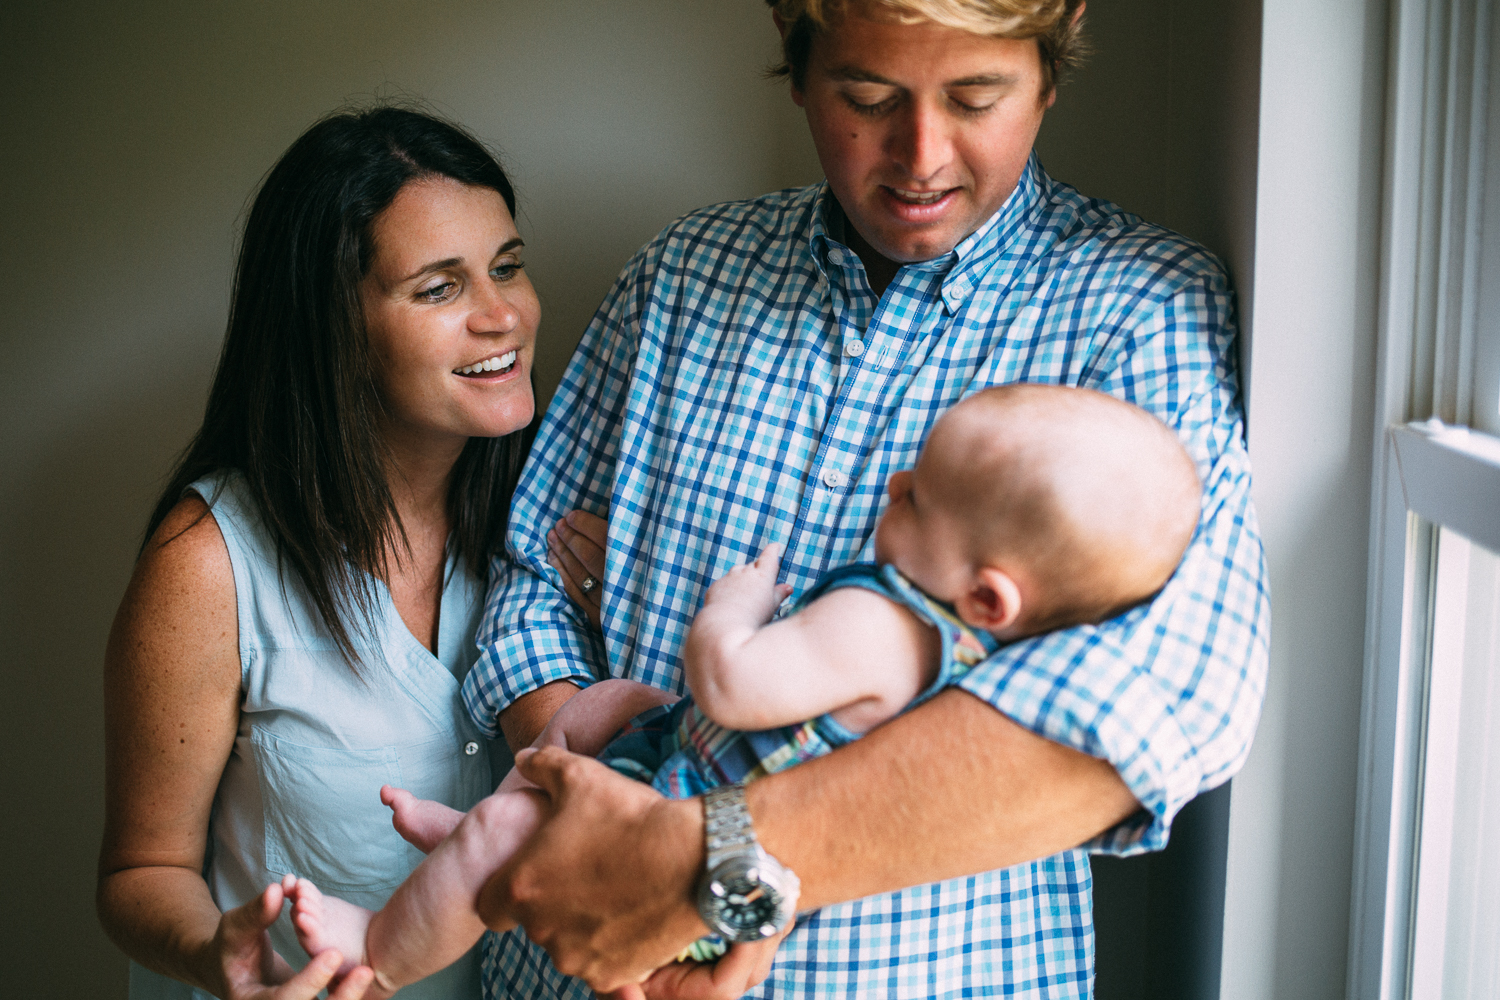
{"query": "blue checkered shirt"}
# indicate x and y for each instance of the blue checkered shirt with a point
(741, 384)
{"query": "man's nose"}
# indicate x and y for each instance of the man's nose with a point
(922, 145)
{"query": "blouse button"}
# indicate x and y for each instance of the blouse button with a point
(471, 748)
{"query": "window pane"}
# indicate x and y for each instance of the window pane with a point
(1457, 919)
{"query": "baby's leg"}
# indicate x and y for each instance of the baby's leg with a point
(430, 920)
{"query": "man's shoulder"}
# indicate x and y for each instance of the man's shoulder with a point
(1098, 236)
(750, 227)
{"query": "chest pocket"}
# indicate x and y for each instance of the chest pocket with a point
(323, 816)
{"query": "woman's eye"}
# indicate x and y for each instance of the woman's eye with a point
(504, 272)
(437, 293)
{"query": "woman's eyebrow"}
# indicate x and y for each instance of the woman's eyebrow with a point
(437, 265)
(447, 262)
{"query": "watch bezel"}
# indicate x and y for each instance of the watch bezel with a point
(756, 866)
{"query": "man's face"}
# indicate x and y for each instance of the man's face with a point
(923, 130)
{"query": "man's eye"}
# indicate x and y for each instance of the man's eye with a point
(870, 100)
(973, 103)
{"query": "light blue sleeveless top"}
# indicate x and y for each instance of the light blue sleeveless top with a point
(301, 791)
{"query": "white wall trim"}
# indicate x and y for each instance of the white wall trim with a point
(1436, 138)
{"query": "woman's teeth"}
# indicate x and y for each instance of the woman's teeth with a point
(499, 364)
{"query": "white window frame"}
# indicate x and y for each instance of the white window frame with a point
(1440, 354)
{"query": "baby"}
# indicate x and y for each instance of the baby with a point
(1030, 508)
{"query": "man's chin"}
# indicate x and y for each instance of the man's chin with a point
(911, 250)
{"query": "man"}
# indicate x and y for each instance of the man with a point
(757, 373)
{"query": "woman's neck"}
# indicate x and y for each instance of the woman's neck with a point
(418, 473)
(419, 478)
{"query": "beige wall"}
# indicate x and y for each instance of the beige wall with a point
(132, 141)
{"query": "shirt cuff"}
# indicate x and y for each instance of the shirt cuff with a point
(1102, 705)
(520, 663)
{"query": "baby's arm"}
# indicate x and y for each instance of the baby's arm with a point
(851, 652)
(430, 920)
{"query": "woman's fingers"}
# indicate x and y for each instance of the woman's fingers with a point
(316, 975)
(575, 548)
(574, 578)
(588, 536)
(354, 984)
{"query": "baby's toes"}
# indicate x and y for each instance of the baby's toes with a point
(308, 899)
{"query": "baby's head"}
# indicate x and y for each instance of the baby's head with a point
(1034, 507)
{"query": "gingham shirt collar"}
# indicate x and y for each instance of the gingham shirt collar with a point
(960, 268)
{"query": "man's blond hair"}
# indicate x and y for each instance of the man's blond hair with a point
(1051, 22)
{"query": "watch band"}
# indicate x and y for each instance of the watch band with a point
(726, 822)
(745, 894)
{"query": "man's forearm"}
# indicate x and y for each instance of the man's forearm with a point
(951, 788)
(525, 718)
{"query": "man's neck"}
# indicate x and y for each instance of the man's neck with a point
(880, 271)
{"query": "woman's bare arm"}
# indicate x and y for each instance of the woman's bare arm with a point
(171, 695)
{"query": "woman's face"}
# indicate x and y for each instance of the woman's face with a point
(451, 317)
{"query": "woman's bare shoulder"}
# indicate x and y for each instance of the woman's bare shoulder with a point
(181, 595)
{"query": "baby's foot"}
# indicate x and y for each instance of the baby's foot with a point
(324, 922)
(422, 822)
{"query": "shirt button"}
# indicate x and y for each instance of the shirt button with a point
(854, 348)
(835, 256)
(833, 478)
(471, 748)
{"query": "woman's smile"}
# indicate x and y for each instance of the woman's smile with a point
(501, 363)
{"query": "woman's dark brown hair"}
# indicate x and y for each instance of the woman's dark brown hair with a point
(294, 406)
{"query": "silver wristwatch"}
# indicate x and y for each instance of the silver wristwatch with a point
(745, 894)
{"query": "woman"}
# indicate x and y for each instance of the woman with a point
(303, 609)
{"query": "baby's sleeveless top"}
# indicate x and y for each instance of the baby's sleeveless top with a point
(316, 740)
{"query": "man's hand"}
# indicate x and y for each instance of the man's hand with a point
(606, 885)
(744, 966)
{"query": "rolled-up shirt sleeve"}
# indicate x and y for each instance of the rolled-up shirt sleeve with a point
(531, 633)
(1170, 692)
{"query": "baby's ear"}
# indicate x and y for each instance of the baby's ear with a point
(992, 602)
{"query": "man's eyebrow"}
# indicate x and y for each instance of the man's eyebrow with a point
(447, 262)
(853, 74)
(985, 80)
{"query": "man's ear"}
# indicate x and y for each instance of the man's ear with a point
(781, 28)
(992, 601)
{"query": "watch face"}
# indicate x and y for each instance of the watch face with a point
(743, 900)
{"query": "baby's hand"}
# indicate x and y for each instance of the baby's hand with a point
(752, 588)
(324, 922)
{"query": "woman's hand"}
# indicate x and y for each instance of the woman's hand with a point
(575, 548)
(249, 969)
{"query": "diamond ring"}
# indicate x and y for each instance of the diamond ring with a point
(588, 584)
